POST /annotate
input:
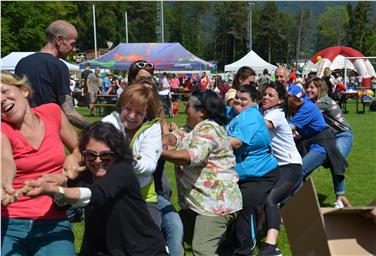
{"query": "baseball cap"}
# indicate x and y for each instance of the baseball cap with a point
(230, 94)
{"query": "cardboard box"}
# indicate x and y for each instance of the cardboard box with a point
(314, 230)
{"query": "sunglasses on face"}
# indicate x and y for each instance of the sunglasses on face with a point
(144, 65)
(92, 156)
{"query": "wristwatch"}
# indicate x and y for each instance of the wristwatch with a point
(59, 195)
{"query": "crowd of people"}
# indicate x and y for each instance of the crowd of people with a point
(246, 148)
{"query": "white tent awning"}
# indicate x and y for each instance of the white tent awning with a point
(10, 61)
(252, 60)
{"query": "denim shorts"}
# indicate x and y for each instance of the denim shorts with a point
(36, 237)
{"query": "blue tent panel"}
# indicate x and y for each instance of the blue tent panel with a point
(164, 56)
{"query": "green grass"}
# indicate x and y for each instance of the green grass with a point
(360, 177)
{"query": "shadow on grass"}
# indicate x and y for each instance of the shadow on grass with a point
(322, 199)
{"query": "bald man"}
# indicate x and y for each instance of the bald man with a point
(48, 75)
(282, 75)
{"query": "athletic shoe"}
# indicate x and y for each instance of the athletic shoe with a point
(338, 204)
(270, 250)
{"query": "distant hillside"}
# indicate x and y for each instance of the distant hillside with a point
(316, 7)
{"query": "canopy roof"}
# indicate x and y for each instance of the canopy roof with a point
(339, 62)
(251, 60)
(164, 56)
(10, 61)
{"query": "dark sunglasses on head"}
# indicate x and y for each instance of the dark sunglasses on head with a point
(144, 65)
(104, 155)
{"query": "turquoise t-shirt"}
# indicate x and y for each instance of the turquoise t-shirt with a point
(254, 158)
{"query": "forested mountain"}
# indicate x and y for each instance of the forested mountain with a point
(217, 31)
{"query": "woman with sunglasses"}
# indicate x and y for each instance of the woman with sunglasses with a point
(137, 117)
(117, 221)
(206, 179)
(32, 145)
(140, 69)
(317, 91)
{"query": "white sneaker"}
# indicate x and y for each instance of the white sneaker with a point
(338, 204)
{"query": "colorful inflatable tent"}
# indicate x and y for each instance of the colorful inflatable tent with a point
(164, 56)
(334, 58)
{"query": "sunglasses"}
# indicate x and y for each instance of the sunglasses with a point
(104, 155)
(144, 65)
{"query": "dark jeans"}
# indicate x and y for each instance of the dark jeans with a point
(254, 192)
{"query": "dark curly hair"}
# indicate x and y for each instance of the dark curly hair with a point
(281, 91)
(211, 104)
(109, 135)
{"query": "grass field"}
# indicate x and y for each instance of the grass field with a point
(360, 180)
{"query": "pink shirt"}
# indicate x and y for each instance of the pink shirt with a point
(32, 163)
(175, 83)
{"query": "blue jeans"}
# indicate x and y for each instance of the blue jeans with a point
(36, 237)
(313, 160)
(172, 226)
(344, 141)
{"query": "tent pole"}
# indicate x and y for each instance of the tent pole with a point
(345, 75)
(162, 22)
(95, 33)
(126, 26)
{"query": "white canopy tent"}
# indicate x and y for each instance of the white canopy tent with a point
(252, 60)
(10, 61)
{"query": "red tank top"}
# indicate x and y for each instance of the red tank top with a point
(31, 163)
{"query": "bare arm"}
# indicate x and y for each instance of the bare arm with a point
(235, 143)
(70, 139)
(177, 156)
(8, 171)
(109, 91)
(269, 124)
(88, 84)
(73, 116)
(41, 187)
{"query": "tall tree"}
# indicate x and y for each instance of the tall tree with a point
(231, 31)
(269, 32)
(349, 26)
(333, 26)
(23, 23)
(181, 27)
(361, 25)
(370, 43)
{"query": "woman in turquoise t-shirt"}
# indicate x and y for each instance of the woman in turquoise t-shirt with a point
(255, 165)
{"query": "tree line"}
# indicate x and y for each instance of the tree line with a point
(214, 31)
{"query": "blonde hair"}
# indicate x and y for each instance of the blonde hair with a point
(320, 84)
(141, 95)
(12, 79)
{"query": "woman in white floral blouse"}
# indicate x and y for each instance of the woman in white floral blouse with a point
(206, 179)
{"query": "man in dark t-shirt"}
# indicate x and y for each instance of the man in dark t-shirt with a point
(84, 76)
(48, 75)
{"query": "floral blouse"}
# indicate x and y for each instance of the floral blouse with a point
(209, 185)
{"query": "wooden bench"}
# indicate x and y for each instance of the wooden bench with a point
(183, 95)
(100, 107)
(364, 104)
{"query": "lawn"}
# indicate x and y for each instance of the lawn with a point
(360, 177)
